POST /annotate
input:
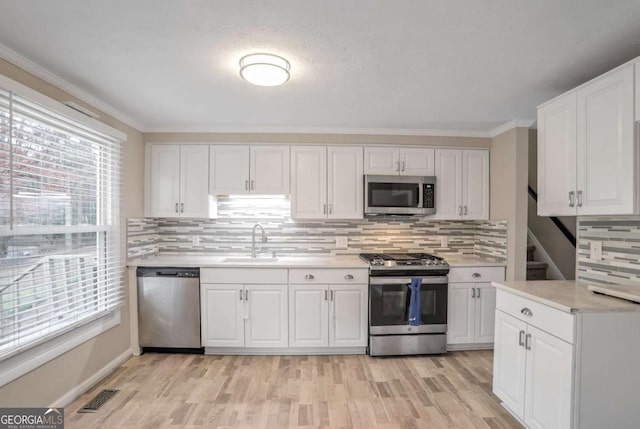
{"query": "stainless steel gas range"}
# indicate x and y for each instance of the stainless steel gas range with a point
(389, 296)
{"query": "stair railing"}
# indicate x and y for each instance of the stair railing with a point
(557, 222)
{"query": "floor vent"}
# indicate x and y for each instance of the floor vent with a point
(98, 401)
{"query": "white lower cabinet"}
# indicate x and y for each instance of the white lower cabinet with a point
(222, 315)
(471, 307)
(328, 315)
(267, 316)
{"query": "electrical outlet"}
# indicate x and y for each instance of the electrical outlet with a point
(595, 248)
(342, 242)
(444, 241)
(195, 240)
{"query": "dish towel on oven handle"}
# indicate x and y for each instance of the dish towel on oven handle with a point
(414, 302)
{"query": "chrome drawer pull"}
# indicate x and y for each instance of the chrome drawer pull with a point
(526, 312)
(348, 277)
(521, 339)
(309, 277)
(476, 275)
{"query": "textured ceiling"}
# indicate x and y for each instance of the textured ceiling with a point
(368, 64)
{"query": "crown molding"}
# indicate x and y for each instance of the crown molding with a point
(51, 78)
(324, 130)
(516, 123)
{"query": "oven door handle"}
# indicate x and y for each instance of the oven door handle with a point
(407, 280)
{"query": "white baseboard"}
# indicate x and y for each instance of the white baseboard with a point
(555, 272)
(299, 351)
(81, 388)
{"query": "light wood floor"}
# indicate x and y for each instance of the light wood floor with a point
(275, 392)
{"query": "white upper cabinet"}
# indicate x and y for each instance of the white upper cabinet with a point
(606, 145)
(557, 157)
(178, 180)
(309, 182)
(587, 156)
(381, 160)
(326, 183)
(269, 172)
(462, 184)
(475, 184)
(345, 186)
(242, 169)
(229, 169)
(403, 161)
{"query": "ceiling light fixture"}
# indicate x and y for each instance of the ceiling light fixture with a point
(264, 69)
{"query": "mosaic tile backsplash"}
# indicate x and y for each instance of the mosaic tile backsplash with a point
(620, 238)
(230, 233)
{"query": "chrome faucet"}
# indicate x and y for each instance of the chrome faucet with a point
(253, 239)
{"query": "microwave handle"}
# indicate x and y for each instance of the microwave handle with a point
(421, 204)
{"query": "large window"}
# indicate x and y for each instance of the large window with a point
(60, 261)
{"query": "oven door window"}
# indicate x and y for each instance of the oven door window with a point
(389, 304)
(393, 194)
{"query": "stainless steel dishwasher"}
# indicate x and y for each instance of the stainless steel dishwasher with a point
(169, 308)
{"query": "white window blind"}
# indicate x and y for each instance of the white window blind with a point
(60, 264)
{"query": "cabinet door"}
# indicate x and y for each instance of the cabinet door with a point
(348, 315)
(557, 156)
(417, 161)
(460, 313)
(308, 316)
(475, 184)
(509, 362)
(345, 183)
(606, 145)
(448, 184)
(309, 182)
(485, 314)
(165, 180)
(267, 316)
(381, 160)
(229, 169)
(269, 173)
(222, 314)
(194, 181)
(548, 382)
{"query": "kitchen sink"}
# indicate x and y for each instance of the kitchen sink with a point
(249, 259)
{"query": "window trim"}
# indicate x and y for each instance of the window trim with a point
(25, 361)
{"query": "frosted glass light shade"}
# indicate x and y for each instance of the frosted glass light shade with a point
(264, 69)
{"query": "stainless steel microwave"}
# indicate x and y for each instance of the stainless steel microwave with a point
(402, 195)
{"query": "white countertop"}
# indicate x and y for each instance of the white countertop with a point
(472, 261)
(346, 261)
(567, 295)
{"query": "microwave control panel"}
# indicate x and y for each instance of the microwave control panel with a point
(429, 195)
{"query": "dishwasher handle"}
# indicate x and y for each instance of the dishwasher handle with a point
(168, 272)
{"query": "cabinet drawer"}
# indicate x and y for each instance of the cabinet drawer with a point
(551, 320)
(244, 275)
(328, 276)
(476, 274)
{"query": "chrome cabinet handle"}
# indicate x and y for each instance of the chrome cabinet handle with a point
(579, 194)
(253, 185)
(397, 165)
(478, 296)
(402, 165)
(181, 207)
(526, 312)
(324, 208)
(466, 211)
(330, 208)
(325, 294)
(521, 339)
(348, 277)
(331, 295)
(309, 277)
(459, 210)
(246, 295)
(473, 292)
(176, 207)
(240, 294)
(246, 185)
(476, 275)
(527, 342)
(572, 199)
